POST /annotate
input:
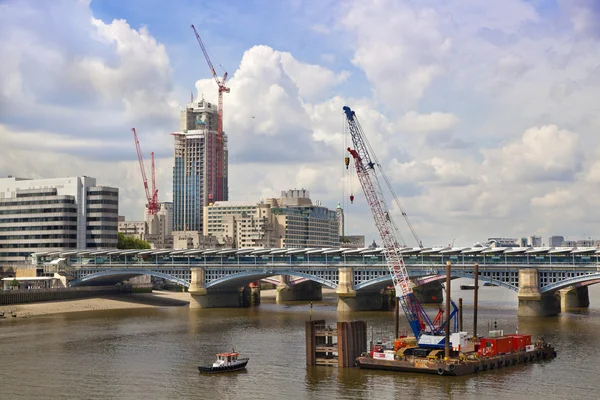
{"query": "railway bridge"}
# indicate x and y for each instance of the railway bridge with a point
(547, 280)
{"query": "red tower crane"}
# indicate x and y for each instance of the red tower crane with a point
(222, 89)
(151, 197)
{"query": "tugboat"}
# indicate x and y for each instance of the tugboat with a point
(226, 362)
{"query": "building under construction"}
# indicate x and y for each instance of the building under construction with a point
(200, 169)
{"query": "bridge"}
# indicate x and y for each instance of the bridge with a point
(546, 279)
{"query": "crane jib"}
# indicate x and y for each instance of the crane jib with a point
(417, 317)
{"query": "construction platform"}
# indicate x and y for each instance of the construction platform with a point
(465, 365)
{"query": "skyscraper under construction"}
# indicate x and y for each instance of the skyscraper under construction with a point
(197, 178)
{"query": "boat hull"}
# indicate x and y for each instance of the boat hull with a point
(241, 364)
(425, 366)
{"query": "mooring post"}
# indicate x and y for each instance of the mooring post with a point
(460, 315)
(447, 341)
(475, 299)
(397, 311)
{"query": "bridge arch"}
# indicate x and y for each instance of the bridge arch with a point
(582, 280)
(244, 277)
(113, 276)
(437, 277)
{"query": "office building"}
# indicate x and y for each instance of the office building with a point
(197, 178)
(56, 214)
(291, 220)
(534, 241)
(556, 241)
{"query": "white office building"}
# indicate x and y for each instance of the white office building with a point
(56, 214)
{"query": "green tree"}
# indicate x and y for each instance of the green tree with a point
(14, 283)
(129, 242)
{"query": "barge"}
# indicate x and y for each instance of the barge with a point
(490, 353)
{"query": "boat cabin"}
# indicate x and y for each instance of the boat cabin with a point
(224, 359)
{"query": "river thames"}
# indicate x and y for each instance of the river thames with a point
(154, 353)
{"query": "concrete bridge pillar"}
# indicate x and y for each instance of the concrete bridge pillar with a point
(202, 297)
(351, 300)
(305, 291)
(531, 302)
(429, 293)
(574, 297)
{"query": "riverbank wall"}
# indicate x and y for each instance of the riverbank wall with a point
(41, 295)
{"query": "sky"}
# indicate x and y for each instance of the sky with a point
(483, 115)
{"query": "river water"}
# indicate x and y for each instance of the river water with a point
(154, 354)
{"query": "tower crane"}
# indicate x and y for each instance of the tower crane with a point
(151, 197)
(222, 89)
(426, 332)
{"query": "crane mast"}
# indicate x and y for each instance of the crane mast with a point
(418, 319)
(222, 89)
(151, 198)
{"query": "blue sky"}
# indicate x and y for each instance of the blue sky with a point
(483, 114)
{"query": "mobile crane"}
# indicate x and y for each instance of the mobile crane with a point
(427, 333)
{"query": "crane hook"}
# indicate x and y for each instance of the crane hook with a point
(351, 199)
(347, 161)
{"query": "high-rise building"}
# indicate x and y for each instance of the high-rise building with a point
(556, 241)
(534, 241)
(196, 179)
(56, 214)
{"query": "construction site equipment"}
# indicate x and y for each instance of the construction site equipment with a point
(151, 197)
(219, 144)
(427, 333)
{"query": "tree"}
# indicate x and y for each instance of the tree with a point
(129, 242)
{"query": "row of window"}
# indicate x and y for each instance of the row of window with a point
(103, 219)
(36, 219)
(101, 210)
(38, 245)
(103, 193)
(40, 236)
(113, 202)
(36, 202)
(38, 228)
(101, 236)
(69, 209)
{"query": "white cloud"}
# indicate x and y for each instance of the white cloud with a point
(436, 121)
(504, 100)
(544, 153)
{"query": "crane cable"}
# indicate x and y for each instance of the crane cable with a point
(394, 196)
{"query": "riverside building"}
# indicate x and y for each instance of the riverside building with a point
(58, 214)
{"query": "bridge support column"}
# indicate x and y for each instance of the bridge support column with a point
(202, 297)
(429, 293)
(574, 297)
(532, 303)
(305, 291)
(351, 300)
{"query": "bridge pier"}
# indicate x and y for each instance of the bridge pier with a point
(201, 297)
(429, 293)
(305, 291)
(532, 303)
(574, 297)
(351, 300)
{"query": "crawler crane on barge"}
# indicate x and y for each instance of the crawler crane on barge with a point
(424, 357)
(427, 333)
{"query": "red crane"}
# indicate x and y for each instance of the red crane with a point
(222, 89)
(152, 198)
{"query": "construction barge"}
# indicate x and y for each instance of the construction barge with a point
(491, 353)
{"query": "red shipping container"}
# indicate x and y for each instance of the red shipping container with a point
(494, 346)
(520, 341)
